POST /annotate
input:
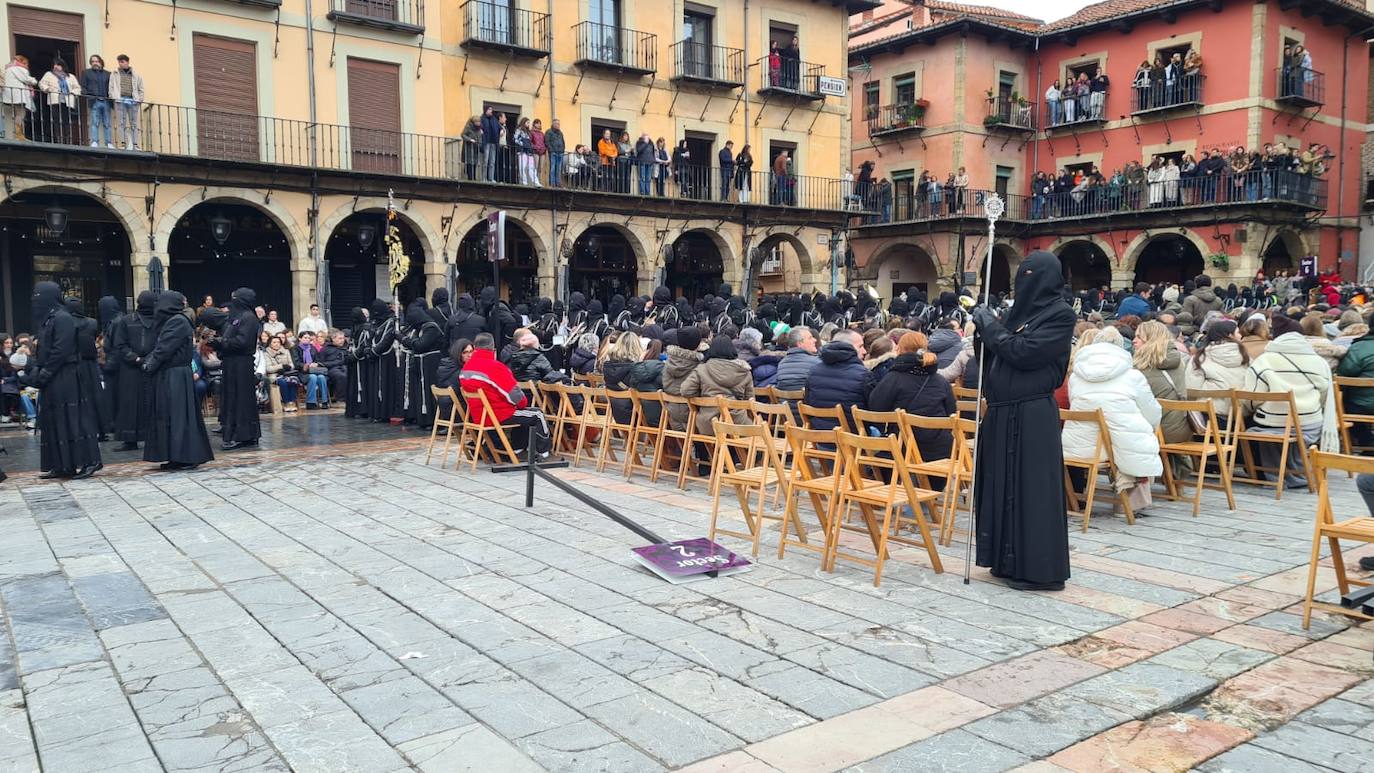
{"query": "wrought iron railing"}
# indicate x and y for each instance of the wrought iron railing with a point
(1015, 113)
(172, 130)
(611, 46)
(889, 119)
(1078, 108)
(790, 75)
(406, 15)
(498, 25)
(1183, 91)
(1300, 85)
(706, 63)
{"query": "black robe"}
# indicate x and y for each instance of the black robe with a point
(68, 436)
(88, 369)
(134, 336)
(1020, 502)
(110, 314)
(177, 433)
(386, 399)
(425, 345)
(237, 344)
(361, 371)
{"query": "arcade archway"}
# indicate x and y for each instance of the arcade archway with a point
(696, 267)
(1002, 258)
(1168, 258)
(519, 271)
(359, 268)
(904, 267)
(778, 265)
(1282, 254)
(603, 264)
(88, 257)
(218, 246)
(1085, 265)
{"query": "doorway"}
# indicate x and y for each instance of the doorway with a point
(697, 183)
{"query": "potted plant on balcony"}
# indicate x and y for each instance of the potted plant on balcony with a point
(990, 120)
(1220, 260)
(918, 111)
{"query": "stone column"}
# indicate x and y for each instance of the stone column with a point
(138, 262)
(302, 291)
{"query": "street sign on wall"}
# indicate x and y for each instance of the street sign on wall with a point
(832, 87)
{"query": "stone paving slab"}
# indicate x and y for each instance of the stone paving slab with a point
(245, 617)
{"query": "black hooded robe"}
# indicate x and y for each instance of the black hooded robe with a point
(110, 312)
(360, 367)
(501, 323)
(545, 328)
(134, 336)
(425, 342)
(386, 398)
(177, 432)
(465, 323)
(68, 435)
(237, 344)
(88, 369)
(1020, 503)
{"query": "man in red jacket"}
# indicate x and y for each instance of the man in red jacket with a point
(484, 373)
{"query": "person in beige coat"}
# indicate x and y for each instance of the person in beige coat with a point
(57, 117)
(722, 374)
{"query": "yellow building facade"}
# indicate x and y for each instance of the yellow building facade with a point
(269, 135)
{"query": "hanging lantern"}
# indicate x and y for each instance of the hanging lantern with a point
(367, 233)
(56, 218)
(220, 228)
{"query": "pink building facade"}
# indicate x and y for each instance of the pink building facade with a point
(956, 89)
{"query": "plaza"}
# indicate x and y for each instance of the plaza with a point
(340, 605)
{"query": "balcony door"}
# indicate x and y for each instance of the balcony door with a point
(386, 10)
(698, 29)
(226, 77)
(374, 115)
(494, 21)
(605, 42)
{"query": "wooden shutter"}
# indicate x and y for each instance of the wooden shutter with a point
(226, 78)
(39, 23)
(374, 115)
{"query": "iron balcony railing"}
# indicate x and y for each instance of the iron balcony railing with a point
(890, 119)
(170, 130)
(1300, 86)
(500, 26)
(1089, 107)
(1256, 187)
(1006, 112)
(791, 76)
(705, 63)
(1184, 91)
(607, 45)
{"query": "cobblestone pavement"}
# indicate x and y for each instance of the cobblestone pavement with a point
(323, 610)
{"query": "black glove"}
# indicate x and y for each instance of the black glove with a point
(27, 378)
(984, 318)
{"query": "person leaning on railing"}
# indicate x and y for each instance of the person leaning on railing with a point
(58, 113)
(95, 84)
(126, 89)
(18, 96)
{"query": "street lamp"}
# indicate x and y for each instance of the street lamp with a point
(220, 228)
(56, 218)
(367, 233)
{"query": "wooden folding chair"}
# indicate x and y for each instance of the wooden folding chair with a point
(757, 469)
(595, 416)
(765, 394)
(1102, 461)
(859, 453)
(596, 380)
(1211, 445)
(788, 395)
(646, 436)
(675, 443)
(835, 413)
(531, 390)
(452, 425)
(814, 472)
(948, 468)
(1359, 528)
(1290, 441)
(1348, 419)
(615, 428)
(566, 419)
(886, 422)
(480, 433)
(698, 441)
(965, 393)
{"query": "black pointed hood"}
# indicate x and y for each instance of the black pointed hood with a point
(594, 308)
(74, 306)
(487, 298)
(662, 296)
(439, 297)
(46, 301)
(577, 302)
(170, 303)
(110, 309)
(617, 306)
(380, 311)
(543, 306)
(465, 303)
(359, 318)
(417, 313)
(243, 298)
(1039, 286)
(147, 304)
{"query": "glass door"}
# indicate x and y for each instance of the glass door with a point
(696, 35)
(494, 18)
(604, 16)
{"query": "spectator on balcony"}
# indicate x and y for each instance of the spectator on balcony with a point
(506, 170)
(126, 89)
(744, 171)
(541, 148)
(1052, 96)
(791, 64)
(1097, 102)
(1242, 181)
(1144, 76)
(663, 162)
(960, 190)
(681, 157)
(1041, 188)
(1173, 80)
(1210, 169)
(556, 146)
(1187, 183)
(935, 195)
(18, 96)
(472, 147)
(624, 160)
(1192, 76)
(607, 150)
(1068, 101)
(949, 193)
(884, 197)
(1083, 90)
(576, 168)
(524, 150)
(95, 84)
(774, 65)
(1158, 80)
(1172, 175)
(644, 162)
(726, 158)
(491, 140)
(61, 92)
(1155, 177)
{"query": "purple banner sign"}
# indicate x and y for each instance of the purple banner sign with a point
(690, 559)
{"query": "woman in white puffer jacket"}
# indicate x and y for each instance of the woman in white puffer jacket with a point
(1219, 364)
(1104, 377)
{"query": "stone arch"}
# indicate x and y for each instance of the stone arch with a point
(134, 222)
(645, 259)
(804, 256)
(1084, 262)
(1102, 244)
(728, 254)
(542, 249)
(914, 264)
(693, 273)
(1139, 243)
(1287, 244)
(429, 237)
(300, 252)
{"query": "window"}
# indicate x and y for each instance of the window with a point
(1006, 84)
(1003, 183)
(600, 125)
(904, 89)
(1086, 168)
(1176, 156)
(698, 27)
(783, 35)
(903, 193)
(1166, 53)
(1083, 68)
(605, 12)
(871, 100)
(776, 147)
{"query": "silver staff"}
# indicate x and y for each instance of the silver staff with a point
(993, 207)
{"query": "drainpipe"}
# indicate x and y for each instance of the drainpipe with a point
(745, 244)
(1340, 162)
(555, 248)
(322, 291)
(1035, 143)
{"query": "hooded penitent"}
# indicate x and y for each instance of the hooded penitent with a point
(242, 298)
(379, 311)
(47, 299)
(663, 296)
(417, 314)
(439, 307)
(109, 309)
(1039, 288)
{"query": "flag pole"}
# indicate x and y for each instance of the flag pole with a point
(993, 207)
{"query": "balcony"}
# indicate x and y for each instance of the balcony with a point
(1012, 114)
(1204, 197)
(707, 64)
(791, 78)
(1085, 110)
(1161, 96)
(1299, 87)
(171, 132)
(258, 3)
(616, 48)
(500, 27)
(889, 120)
(406, 16)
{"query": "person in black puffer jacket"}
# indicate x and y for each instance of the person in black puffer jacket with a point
(765, 368)
(840, 378)
(945, 342)
(527, 363)
(583, 358)
(913, 385)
